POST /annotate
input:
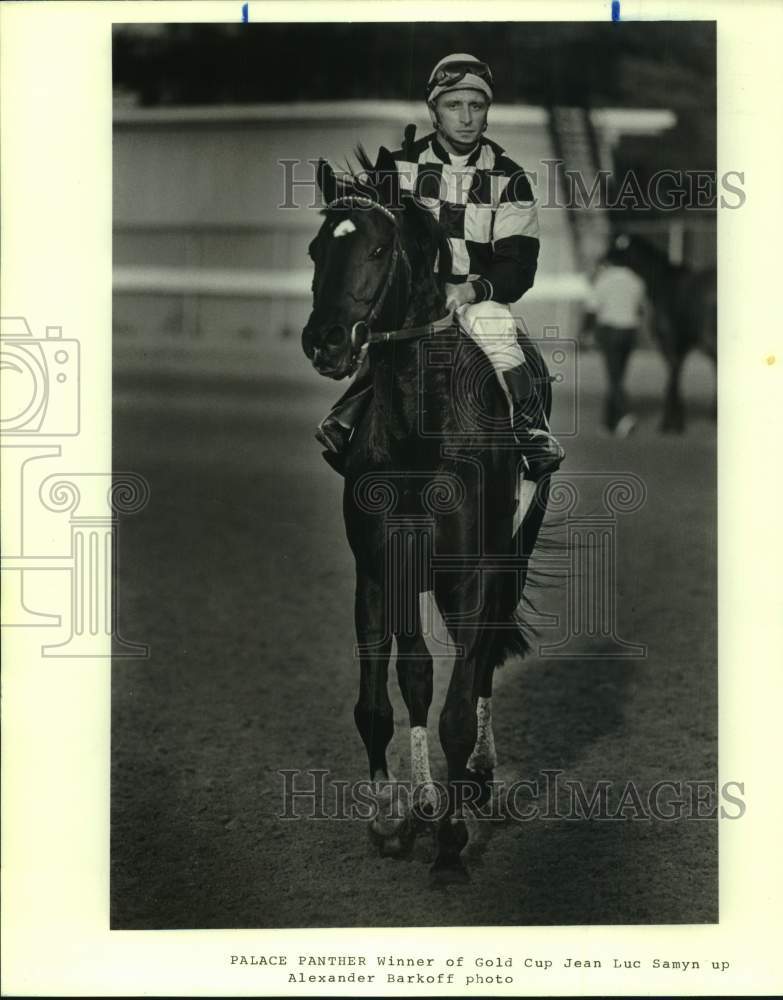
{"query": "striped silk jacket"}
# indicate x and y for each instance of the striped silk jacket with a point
(485, 204)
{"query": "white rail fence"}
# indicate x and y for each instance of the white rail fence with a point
(211, 275)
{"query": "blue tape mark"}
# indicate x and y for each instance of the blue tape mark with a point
(246, 16)
(615, 10)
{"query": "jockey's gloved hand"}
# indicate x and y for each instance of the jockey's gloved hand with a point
(459, 295)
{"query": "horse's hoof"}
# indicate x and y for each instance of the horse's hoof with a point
(473, 856)
(423, 816)
(391, 847)
(456, 835)
(397, 843)
(479, 835)
(448, 873)
(425, 846)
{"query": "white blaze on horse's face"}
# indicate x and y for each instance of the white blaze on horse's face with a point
(344, 228)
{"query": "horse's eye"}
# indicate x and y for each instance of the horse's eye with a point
(377, 253)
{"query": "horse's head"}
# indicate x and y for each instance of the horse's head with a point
(358, 257)
(637, 253)
(371, 245)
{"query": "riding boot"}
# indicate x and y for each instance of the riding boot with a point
(540, 448)
(335, 430)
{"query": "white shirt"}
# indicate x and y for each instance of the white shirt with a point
(460, 161)
(617, 296)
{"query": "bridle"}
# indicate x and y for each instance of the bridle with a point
(361, 331)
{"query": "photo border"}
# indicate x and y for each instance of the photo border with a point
(56, 252)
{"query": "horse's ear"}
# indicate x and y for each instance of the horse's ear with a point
(409, 138)
(387, 178)
(327, 182)
(384, 160)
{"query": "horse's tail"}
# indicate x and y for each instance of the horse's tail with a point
(502, 631)
(512, 636)
(513, 599)
(506, 631)
(516, 638)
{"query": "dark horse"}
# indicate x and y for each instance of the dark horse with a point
(686, 313)
(433, 495)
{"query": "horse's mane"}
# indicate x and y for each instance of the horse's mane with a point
(430, 238)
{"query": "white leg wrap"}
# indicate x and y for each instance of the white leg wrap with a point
(420, 765)
(420, 756)
(484, 757)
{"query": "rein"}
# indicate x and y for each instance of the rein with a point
(410, 332)
(398, 254)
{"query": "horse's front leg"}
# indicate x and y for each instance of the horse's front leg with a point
(389, 828)
(414, 672)
(483, 760)
(458, 730)
(463, 606)
(481, 770)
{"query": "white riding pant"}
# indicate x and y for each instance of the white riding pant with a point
(493, 328)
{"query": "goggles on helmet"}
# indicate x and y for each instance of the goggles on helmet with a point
(452, 72)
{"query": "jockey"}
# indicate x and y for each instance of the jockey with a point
(485, 204)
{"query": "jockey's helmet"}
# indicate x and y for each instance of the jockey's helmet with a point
(457, 71)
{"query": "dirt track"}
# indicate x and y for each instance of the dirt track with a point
(238, 576)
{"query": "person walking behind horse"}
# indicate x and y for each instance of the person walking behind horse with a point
(484, 202)
(616, 307)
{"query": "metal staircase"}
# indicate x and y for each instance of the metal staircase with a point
(576, 147)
